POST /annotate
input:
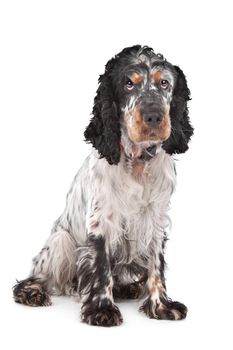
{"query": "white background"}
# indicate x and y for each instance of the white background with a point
(51, 55)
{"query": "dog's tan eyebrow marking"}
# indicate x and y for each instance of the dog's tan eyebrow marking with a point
(156, 76)
(136, 78)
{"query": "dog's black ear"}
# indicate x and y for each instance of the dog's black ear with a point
(104, 128)
(181, 129)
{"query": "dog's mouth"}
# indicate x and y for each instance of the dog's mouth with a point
(144, 150)
(148, 137)
(152, 134)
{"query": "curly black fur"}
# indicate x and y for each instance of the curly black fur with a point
(104, 129)
(181, 127)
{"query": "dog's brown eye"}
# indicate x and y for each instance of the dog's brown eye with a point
(164, 84)
(129, 84)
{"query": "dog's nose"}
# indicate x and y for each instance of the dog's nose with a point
(152, 110)
(152, 118)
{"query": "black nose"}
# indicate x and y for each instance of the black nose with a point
(152, 110)
(153, 118)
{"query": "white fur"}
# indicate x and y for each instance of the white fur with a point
(107, 200)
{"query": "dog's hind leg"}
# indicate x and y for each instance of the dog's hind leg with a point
(53, 269)
(128, 291)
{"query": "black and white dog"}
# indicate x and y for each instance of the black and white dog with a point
(109, 242)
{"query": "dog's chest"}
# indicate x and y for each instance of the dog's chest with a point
(143, 213)
(144, 204)
(143, 220)
(138, 168)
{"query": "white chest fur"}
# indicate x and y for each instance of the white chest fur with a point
(133, 209)
(107, 199)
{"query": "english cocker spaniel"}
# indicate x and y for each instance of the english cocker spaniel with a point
(109, 242)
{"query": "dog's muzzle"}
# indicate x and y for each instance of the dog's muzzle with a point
(152, 109)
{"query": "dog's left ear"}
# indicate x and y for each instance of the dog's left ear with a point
(182, 130)
(104, 128)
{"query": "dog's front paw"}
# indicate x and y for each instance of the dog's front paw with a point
(168, 310)
(30, 292)
(103, 313)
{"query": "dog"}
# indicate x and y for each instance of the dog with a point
(109, 242)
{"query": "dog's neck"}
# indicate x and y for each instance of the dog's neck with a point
(144, 151)
(149, 153)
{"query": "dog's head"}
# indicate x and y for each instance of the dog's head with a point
(141, 98)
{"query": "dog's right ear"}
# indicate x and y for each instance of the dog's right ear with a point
(104, 128)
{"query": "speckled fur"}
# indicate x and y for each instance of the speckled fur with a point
(110, 239)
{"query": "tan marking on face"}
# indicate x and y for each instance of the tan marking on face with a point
(138, 131)
(136, 78)
(137, 126)
(156, 76)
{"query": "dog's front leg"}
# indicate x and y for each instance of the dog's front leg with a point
(158, 305)
(96, 282)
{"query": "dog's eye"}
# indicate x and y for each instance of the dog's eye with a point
(164, 84)
(129, 84)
